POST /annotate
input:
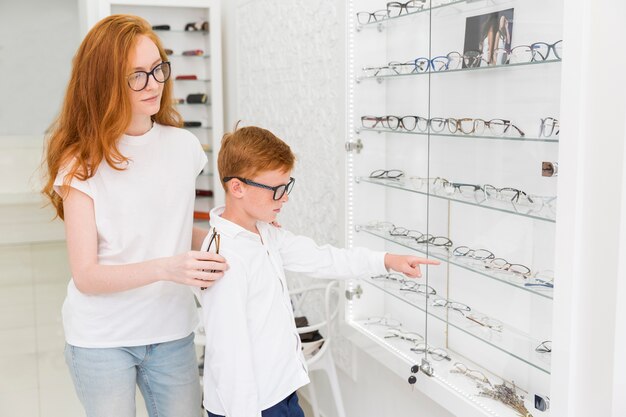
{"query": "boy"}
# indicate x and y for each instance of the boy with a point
(253, 358)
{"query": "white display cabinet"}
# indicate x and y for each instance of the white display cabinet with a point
(469, 184)
(205, 120)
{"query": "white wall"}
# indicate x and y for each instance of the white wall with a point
(284, 66)
(37, 41)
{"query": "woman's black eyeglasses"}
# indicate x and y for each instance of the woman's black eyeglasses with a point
(279, 190)
(138, 80)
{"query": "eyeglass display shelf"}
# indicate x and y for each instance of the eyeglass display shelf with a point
(380, 78)
(510, 340)
(205, 80)
(545, 214)
(207, 104)
(440, 5)
(205, 56)
(459, 383)
(203, 32)
(460, 136)
(444, 256)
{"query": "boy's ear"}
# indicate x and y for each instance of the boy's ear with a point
(236, 188)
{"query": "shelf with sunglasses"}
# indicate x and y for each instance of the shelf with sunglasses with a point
(494, 395)
(477, 260)
(506, 199)
(494, 129)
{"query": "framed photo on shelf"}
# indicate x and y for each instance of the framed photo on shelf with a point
(487, 39)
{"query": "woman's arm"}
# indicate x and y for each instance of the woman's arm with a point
(197, 237)
(91, 278)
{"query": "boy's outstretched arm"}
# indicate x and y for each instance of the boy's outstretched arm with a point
(407, 264)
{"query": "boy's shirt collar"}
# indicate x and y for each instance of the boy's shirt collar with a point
(230, 229)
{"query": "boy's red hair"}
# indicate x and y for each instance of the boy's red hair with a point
(250, 150)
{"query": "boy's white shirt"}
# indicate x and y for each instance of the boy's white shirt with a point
(253, 357)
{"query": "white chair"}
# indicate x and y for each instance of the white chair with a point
(320, 359)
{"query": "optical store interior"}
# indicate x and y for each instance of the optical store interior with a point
(479, 142)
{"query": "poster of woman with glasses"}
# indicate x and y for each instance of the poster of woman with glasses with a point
(488, 39)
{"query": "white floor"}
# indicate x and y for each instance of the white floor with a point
(34, 380)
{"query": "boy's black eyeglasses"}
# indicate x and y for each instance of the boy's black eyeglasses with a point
(138, 80)
(279, 190)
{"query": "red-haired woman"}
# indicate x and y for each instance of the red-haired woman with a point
(121, 173)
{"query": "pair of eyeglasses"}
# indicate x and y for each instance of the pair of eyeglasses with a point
(395, 8)
(392, 277)
(544, 347)
(461, 368)
(412, 286)
(503, 265)
(138, 80)
(412, 337)
(215, 237)
(437, 354)
(507, 193)
(478, 254)
(419, 182)
(383, 321)
(279, 190)
(468, 59)
(549, 127)
(420, 238)
(543, 278)
(469, 126)
(535, 52)
(463, 309)
(438, 63)
(392, 174)
(366, 17)
(381, 226)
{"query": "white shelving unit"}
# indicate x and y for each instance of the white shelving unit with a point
(206, 66)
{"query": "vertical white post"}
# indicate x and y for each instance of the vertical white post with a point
(590, 214)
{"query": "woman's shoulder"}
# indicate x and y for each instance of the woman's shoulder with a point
(178, 135)
(175, 131)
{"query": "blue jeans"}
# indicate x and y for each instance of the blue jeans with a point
(167, 375)
(288, 407)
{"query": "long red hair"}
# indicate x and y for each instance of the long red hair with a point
(96, 110)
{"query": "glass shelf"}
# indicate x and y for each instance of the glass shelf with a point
(510, 341)
(445, 256)
(441, 5)
(193, 104)
(198, 127)
(546, 213)
(460, 136)
(463, 385)
(381, 78)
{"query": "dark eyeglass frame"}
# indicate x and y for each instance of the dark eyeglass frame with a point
(279, 190)
(544, 347)
(215, 237)
(430, 63)
(387, 174)
(411, 4)
(375, 16)
(148, 74)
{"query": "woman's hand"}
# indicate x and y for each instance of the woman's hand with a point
(194, 268)
(407, 264)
